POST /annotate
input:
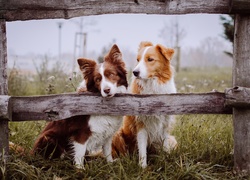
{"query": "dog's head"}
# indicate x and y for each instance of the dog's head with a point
(153, 62)
(109, 77)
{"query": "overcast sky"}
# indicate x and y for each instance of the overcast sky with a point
(42, 36)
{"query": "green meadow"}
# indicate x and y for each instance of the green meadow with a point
(205, 142)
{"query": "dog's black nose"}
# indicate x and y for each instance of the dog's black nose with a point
(136, 73)
(107, 90)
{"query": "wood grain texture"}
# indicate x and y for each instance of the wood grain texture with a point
(4, 129)
(56, 107)
(238, 97)
(241, 77)
(4, 103)
(3, 59)
(13, 10)
(240, 6)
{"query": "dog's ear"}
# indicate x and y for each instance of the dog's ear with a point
(144, 44)
(87, 66)
(114, 55)
(166, 52)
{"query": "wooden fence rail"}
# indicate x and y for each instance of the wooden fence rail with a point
(235, 100)
(12, 10)
(62, 106)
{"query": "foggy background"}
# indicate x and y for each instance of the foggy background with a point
(198, 38)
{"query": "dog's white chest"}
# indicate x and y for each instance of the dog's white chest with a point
(156, 126)
(102, 128)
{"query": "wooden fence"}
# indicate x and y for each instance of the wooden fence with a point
(234, 101)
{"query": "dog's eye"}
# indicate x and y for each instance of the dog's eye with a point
(150, 59)
(97, 80)
(111, 75)
(137, 60)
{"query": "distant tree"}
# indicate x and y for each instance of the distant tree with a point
(228, 24)
(105, 50)
(209, 53)
(100, 57)
(172, 34)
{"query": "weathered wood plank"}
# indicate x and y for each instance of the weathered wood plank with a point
(241, 77)
(4, 130)
(240, 6)
(4, 102)
(13, 10)
(3, 59)
(55, 107)
(238, 97)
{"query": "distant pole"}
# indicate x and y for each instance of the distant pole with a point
(81, 38)
(84, 44)
(177, 39)
(75, 47)
(59, 39)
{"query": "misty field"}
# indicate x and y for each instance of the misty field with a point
(205, 142)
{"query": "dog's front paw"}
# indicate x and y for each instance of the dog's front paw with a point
(172, 143)
(81, 90)
(109, 159)
(80, 166)
(143, 163)
(116, 159)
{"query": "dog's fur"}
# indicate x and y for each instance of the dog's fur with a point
(152, 75)
(87, 133)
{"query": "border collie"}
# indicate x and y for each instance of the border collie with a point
(152, 75)
(81, 134)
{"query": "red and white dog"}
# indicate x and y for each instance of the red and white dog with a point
(84, 133)
(152, 75)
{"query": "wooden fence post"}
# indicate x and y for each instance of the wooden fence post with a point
(4, 130)
(241, 77)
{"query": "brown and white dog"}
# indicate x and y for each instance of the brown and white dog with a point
(84, 133)
(152, 75)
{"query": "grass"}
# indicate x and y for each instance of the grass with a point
(205, 145)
